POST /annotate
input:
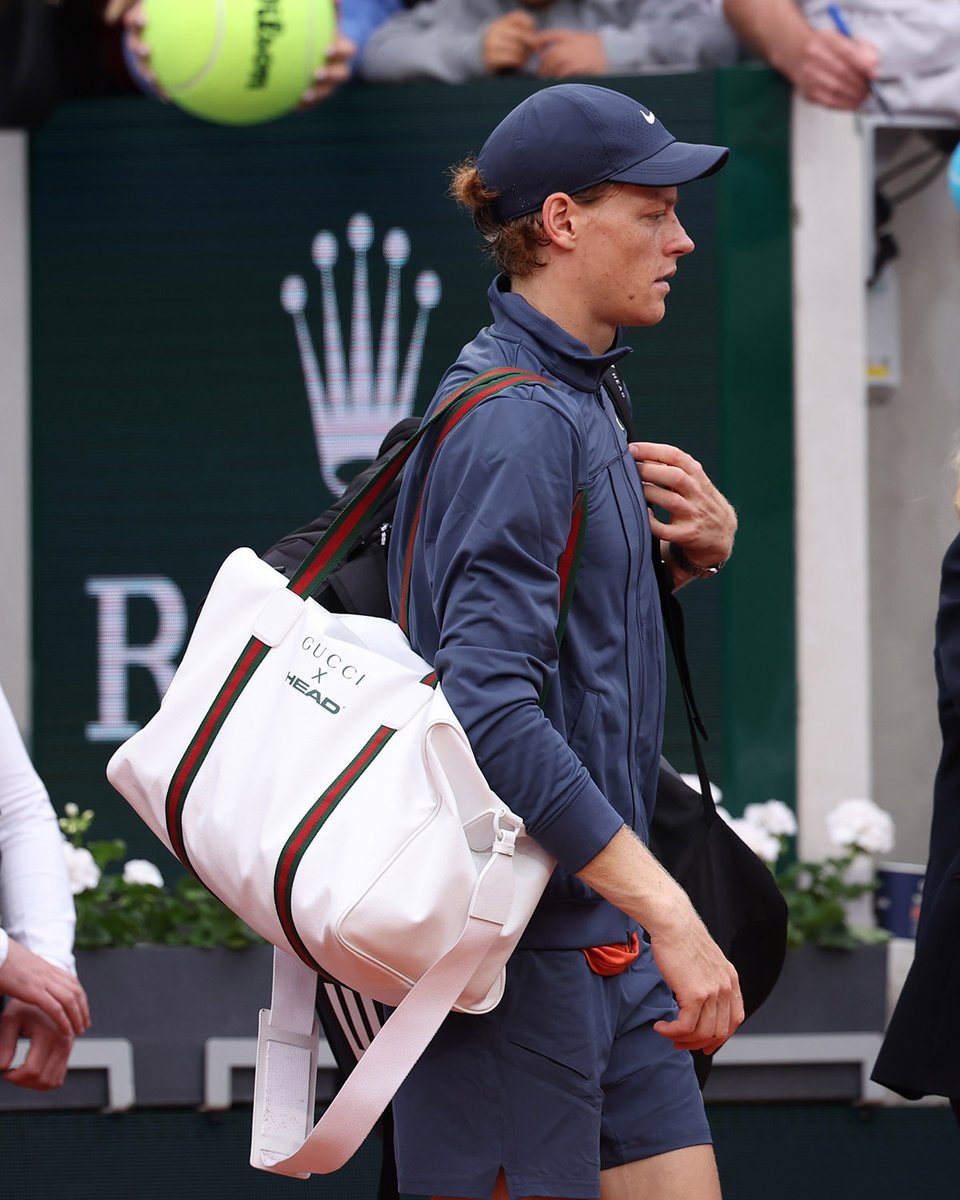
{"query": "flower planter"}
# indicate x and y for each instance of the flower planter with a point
(837, 996)
(826, 991)
(167, 1000)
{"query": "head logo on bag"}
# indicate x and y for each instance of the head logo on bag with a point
(311, 693)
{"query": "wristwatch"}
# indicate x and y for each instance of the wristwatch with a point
(679, 556)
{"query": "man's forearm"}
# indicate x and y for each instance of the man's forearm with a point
(704, 983)
(628, 875)
(775, 29)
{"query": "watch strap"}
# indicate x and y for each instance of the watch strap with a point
(679, 556)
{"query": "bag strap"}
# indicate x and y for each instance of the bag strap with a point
(671, 610)
(346, 529)
(673, 623)
(289, 1033)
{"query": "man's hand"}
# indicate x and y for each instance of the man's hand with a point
(704, 983)
(566, 52)
(45, 1066)
(28, 977)
(509, 41)
(702, 521)
(830, 69)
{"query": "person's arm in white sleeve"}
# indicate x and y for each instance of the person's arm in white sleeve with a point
(36, 906)
(46, 1004)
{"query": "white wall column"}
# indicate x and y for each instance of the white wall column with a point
(832, 541)
(14, 428)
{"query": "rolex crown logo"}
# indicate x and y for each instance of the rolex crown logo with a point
(353, 407)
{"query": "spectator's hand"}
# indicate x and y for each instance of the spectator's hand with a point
(45, 1066)
(833, 70)
(509, 41)
(702, 521)
(336, 71)
(326, 79)
(566, 52)
(28, 977)
(137, 52)
(116, 9)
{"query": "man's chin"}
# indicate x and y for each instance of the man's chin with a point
(652, 317)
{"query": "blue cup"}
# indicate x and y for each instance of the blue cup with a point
(898, 896)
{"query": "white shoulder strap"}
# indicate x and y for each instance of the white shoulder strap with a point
(286, 1071)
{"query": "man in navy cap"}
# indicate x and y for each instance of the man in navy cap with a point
(579, 1083)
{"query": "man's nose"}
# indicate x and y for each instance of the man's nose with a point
(681, 243)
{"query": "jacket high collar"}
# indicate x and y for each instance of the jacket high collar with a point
(564, 355)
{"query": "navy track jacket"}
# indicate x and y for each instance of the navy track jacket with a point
(484, 604)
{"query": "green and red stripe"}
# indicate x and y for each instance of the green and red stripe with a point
(567, 569)
(313, 821)
(338, 540)
(253, 655)
(570, 558)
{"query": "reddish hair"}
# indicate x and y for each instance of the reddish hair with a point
(514, 244)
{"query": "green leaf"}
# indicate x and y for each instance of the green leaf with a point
(105, 853)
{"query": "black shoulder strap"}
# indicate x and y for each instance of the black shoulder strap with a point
(669, 605)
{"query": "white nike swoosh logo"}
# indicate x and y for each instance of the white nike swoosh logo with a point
(649, 117)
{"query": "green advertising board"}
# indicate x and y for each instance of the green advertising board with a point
(226, 320)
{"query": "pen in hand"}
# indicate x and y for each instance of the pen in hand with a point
(840, 21)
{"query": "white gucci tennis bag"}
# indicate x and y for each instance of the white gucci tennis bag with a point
(307, 768)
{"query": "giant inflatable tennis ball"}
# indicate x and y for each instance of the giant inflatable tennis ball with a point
(237, 61)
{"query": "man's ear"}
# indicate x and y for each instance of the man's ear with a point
(559, 220)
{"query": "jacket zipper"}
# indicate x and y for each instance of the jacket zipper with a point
(633, 585)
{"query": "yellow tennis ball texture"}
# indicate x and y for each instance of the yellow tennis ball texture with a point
(237, 62)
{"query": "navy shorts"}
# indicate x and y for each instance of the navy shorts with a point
(563, 1079)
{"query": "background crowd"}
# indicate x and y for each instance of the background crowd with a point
(903, 58)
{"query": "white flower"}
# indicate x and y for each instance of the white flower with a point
(693, 781)
(82, 871)
(139, 870)
(773, 816)
(71, 810)
(760, 841)
(861, 824)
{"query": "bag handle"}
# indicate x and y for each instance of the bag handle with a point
(286, 1072)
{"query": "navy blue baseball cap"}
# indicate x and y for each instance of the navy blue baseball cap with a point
(571, 136)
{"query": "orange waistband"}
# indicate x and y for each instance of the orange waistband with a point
(612, 960)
